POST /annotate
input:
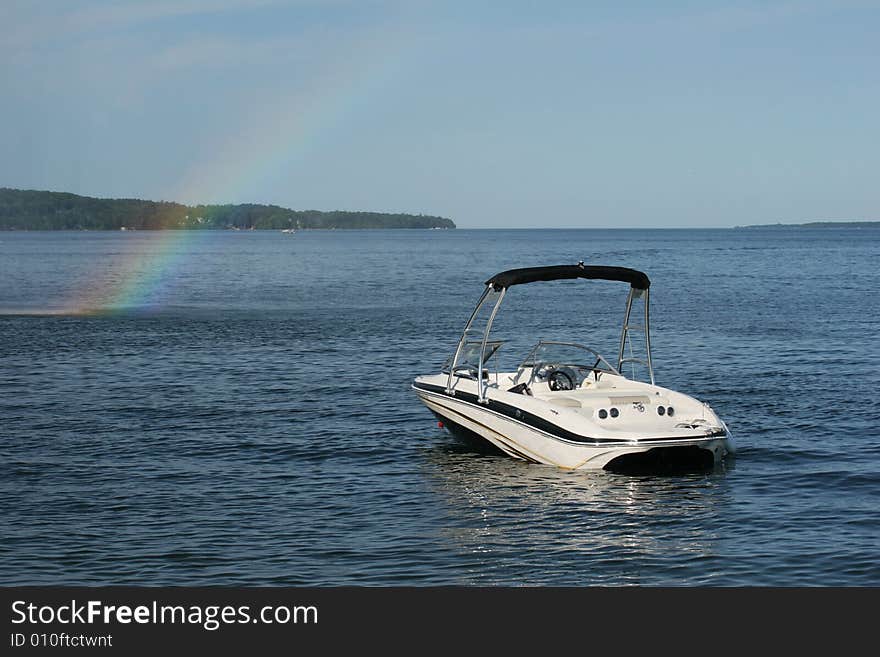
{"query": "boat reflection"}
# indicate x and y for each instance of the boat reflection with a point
(511, 521)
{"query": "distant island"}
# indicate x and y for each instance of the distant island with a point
(22, 209)
(821, 224)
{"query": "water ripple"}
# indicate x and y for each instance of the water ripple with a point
(258, 428)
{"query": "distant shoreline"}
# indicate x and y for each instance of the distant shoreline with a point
(35, 210)
(185, 229)
(819, 224)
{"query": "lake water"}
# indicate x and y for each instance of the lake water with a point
(234, 408)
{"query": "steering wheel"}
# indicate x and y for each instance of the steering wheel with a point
(560, 380)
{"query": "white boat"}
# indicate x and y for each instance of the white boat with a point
(289, 231)
(566, 405)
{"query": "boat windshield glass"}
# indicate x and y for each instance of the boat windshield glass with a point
(469, 358)
(568, 354)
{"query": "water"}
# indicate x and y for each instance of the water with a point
(244, 415)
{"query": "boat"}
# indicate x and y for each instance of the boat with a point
(289, 231)
(565, 404)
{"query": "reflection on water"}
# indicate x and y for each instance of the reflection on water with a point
(594, 527)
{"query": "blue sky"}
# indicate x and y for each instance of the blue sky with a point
(495, 114)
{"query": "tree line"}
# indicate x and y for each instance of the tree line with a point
(41, 210)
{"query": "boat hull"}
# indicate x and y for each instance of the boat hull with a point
(522, 439)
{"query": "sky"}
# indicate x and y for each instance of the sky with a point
(495, 114)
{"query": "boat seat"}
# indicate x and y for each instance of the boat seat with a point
(568, 402)
(618, 400)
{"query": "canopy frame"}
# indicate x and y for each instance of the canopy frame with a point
(501, 282)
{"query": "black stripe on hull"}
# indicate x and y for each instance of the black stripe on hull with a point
(482, 443)
(539, 423)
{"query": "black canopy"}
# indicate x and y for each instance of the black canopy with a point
(635, 278)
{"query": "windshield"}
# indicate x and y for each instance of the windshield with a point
(469, 358)
(570, 354)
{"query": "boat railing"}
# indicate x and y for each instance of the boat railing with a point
(490, 294)
(626, 341)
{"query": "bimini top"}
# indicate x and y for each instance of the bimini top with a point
(636, 279)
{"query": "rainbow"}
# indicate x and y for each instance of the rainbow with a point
(284, 129)
(140, 277)
(271, 138)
